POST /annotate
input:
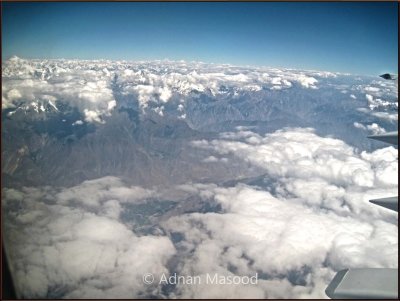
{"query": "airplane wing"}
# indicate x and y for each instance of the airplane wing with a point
(391, 203)
(390, 137)
(369, 283)
(389, 76)
(364, 283)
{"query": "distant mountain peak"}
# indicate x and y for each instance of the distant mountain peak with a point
(15, 58)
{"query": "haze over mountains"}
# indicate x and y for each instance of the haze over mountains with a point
(137, 119)
(113, 169)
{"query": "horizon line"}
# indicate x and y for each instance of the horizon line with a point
(190, 61)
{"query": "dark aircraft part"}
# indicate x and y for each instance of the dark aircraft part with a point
(364, 284)
(388, 76)
(389, 203)
(7, 285)
(391, 137)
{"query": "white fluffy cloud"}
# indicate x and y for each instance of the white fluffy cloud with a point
(302, 154)
(46, 82)
(72, 244)
(373, 128)
(392, 117)
(153, 85)
(375, 103)
(315, 221)
(311, 219)
(93, 193)
(288, 243)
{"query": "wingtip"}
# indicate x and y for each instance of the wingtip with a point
(390, 203)
(389, 137)
(330, 290)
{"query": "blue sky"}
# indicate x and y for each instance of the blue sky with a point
(359, 38)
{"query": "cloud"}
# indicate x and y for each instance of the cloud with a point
(78, 122)
(314, 220)
(159, 110)
(392, 117)
(288, 243)
(376, 129)
(210, 159)
(373, 128)
(306, 81)
(73, 82)
(375, 103)
(93, 193)
(92, 116)
(72, 243)
(13, 94)
(92, 86)
(87, 85)
(295, 232)
(310, 218)
(302, 154)
(371, 89)
(306, 217)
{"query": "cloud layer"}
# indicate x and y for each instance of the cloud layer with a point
(72, 244)
(307, 217)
